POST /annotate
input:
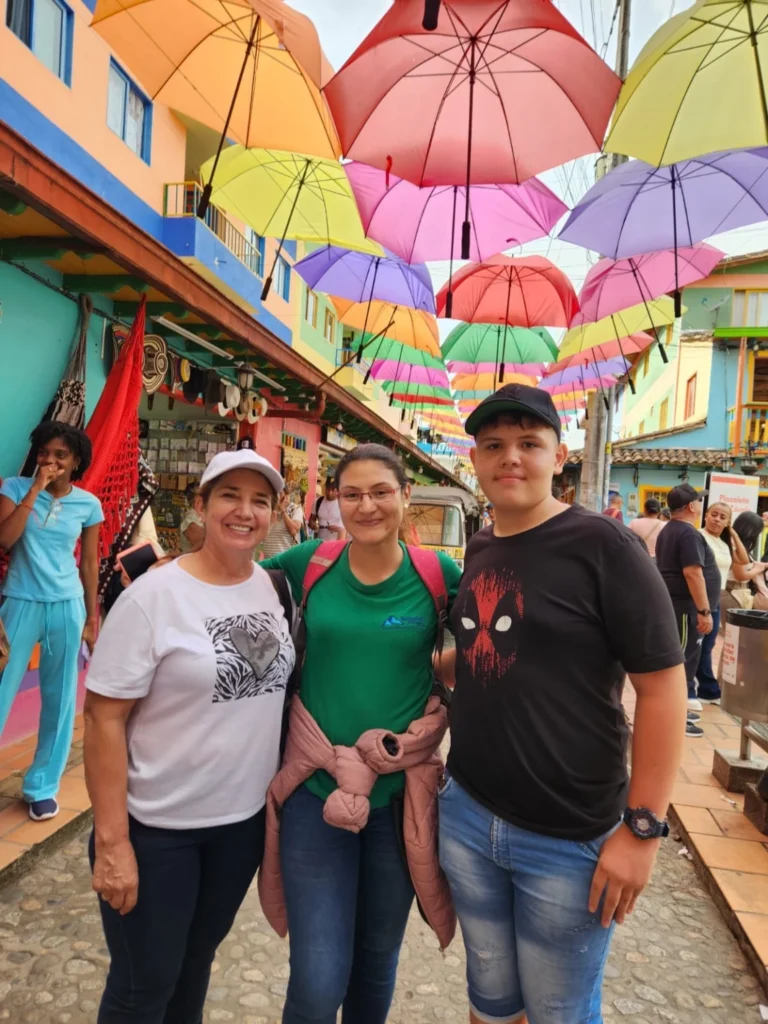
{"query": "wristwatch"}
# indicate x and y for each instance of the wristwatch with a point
(703, 611)
(643, 824)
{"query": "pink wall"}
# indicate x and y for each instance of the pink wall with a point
(268, 440)
(81, 110)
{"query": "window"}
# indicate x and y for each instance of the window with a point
(329, 328)
(690, 396)
(749, 309)
(129, 113)
(46, 28)
(310, 307)
(664, 414)
(256, 252)
(283, 278)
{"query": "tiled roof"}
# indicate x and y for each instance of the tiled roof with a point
(625, 456)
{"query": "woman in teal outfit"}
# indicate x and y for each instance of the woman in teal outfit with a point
(46, 599)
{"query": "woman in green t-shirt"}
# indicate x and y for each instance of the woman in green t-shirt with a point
(371, 626)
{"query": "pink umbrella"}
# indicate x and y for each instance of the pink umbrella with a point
(614, 285)
(419, 224)
(529, 369)
(498, 92)
(391, 369)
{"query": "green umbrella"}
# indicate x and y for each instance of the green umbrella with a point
(401, 387)
(500, 345)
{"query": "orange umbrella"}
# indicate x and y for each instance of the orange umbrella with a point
(378, 319)
(250, 69)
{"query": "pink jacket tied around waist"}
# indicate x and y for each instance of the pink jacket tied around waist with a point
(356, 770)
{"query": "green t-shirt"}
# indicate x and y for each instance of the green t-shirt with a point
(368, 662)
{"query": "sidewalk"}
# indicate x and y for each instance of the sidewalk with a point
(728, 851)
(22, 841)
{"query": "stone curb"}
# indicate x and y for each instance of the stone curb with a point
(29, 858)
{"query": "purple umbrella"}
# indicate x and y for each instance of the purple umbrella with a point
(578, 374)
(425, 223)
(637, 208)
(361, 277)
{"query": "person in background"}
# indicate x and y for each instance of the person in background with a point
(543, 836)
(747, 531)
(371, 627)
(489, 516)
(687, 565)
(46, 598)
(614, 510)
(665, 514)
(733, 563)
(326, 519)
(183, 714)
(191, 531)
(287, 521)
(649, 525)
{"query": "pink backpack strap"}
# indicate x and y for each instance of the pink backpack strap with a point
(427, 565)
(324, 558)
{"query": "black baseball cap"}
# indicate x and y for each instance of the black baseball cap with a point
(683, 495)
(515, 398)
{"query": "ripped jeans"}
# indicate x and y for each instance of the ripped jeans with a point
(522, 901)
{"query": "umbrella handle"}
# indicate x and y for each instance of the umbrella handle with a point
(663, 352)
(678, 303)
(431, 14)
(449, 304)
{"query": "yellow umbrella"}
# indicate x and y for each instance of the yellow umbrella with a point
(699, 86)
(250, 69)
(643, 317)
(376, 319)
(288, 195)
(487, 381)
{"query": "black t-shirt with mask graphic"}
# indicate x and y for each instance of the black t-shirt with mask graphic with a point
(547, 623)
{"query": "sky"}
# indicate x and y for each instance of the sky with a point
(343, 24)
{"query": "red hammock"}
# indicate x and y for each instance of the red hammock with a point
(113, 476)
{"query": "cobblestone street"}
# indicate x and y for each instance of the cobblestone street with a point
(676, 961)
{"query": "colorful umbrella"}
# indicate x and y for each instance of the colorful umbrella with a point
(400, 324)
(578, 372)
(492, 73)
(464, 382)
(288, 195)
(361, 277)
(482, 343)
(423, 223)
(409, 373)
(613, 285)
(600, 354)
(636, 208)
(250, 69)
(699, 85)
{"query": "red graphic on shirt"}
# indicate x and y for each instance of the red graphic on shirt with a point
(489, 618)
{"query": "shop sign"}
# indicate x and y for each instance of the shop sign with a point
(728, 669)
(741, 493)
(337, 439)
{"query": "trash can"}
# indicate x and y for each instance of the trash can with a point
(744, 664)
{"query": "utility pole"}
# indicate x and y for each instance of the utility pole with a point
(605, 454)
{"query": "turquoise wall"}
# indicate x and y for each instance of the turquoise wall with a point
(650, 476)
(37, 333)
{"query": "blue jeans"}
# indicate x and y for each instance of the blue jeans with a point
(191, 885)
(708, 688)
(58, 627)
(348, 898)
(522, 902)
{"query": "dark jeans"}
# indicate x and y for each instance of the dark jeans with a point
(191, 885)
(348, 898)
(709, 688)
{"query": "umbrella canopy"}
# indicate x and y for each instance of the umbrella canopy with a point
(637, 208)
(400, 324)
(409, 373)
(249, 69)
(526, 369)
(482, 343)
(486, 381)
(699, 85)
(600, 354)
(425, 223)
(577, 373)
(590, 383)
(526, 291)
(613, 285)
(477, 92)
(362, 277)
(288, 195)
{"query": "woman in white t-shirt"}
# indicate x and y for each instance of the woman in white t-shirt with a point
(183, 715)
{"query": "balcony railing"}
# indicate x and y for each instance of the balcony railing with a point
(182, 199)
(754, 425)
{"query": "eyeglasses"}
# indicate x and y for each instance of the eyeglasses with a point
(379, 495)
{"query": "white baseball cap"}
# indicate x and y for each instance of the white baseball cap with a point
(243, 459)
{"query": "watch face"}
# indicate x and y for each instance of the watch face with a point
(643, 824)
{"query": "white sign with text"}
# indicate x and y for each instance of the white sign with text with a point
(740, 492)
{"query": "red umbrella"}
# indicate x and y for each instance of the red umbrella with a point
(499, 91)
(526, 291)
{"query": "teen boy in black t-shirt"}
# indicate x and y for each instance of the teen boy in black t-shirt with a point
(555, 606)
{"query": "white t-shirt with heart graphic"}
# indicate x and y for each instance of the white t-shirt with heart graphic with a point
(209, 667)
